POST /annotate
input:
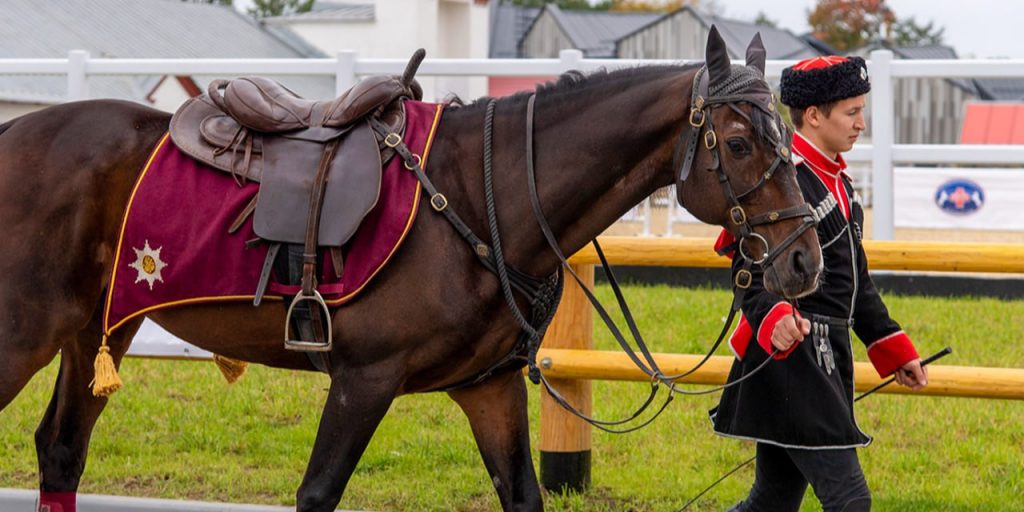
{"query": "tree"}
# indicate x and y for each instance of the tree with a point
(849, 24)
(908, 33)
(763, 20)
(563, 4)
(651, 5)
(265, 8)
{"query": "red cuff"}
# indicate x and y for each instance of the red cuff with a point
(891, 352)
(764, 333)
(57, 501)
(725, 239)
(740, 338)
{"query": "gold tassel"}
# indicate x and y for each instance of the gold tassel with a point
(106, 381)
(232, 369)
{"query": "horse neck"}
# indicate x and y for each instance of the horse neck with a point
(598, 151)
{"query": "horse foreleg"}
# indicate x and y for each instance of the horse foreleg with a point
(62, 439)
(356, 403)
(497, 414)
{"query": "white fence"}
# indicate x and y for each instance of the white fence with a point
(881, 154)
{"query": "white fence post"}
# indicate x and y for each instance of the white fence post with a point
(882, 133)
(345, 74)
(570, 59)
(78, 84)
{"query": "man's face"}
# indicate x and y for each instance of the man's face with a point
(842, 127)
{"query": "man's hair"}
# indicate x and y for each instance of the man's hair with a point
(796, 115)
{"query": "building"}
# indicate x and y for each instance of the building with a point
(394, 29)
(683, 34)
(136, 29)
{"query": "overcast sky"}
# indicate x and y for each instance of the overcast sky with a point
(975, 28)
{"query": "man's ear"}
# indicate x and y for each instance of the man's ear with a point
(812, 116)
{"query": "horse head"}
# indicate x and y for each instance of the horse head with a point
(735, 170)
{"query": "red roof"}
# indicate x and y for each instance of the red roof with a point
(993, 123)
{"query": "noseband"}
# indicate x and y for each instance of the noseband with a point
(701, 128)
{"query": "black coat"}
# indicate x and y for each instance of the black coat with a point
(805, 400)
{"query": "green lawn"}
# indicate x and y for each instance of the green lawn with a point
(177, 431)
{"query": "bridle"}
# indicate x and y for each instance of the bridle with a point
(700, 127)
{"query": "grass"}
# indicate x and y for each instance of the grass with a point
(177, 431)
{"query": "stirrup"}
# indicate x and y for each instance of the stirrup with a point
(307, 346)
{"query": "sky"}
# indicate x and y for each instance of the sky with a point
(975, 28)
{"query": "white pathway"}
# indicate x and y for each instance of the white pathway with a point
(18, 500)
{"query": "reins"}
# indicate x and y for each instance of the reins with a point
(543, 294)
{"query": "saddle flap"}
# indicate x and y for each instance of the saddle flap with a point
(352, 189)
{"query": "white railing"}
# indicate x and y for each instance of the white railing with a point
(882, 154)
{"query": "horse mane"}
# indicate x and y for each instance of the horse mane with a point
(576, 81)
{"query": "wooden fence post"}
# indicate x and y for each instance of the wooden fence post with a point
(564, 438)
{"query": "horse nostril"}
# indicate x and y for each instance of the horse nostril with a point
(799, 263)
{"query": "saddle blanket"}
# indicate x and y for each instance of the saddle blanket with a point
(174, 247)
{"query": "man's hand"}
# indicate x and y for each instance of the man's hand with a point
(912, 375)
(787, 332)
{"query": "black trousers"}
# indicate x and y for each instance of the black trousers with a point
(782, 476)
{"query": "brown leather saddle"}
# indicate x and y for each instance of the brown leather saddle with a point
(318, 164)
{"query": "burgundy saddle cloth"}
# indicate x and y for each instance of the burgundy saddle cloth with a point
(174, 248)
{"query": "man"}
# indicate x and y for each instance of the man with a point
(799, 408)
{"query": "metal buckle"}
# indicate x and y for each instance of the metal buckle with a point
(438, 202)
(737, 215)
(710, 139)
(744, 279)
(696, 117)
(389, 142)
(415, 165)
(784, 152)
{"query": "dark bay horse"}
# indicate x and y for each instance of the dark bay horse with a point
(434, 316)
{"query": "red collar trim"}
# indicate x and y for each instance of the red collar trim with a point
(814, 157)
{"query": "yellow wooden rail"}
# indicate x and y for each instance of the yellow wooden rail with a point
(882, 255)
(960, 381)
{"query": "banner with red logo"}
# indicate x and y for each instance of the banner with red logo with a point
(958, 198)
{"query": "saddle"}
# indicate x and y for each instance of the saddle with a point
(318, 164)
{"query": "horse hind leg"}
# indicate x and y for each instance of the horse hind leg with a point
(62, 439)
(496, 409)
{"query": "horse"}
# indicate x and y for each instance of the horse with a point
(434, 317)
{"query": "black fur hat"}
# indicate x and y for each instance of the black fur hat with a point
(823, 80)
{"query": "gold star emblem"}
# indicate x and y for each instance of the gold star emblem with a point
(148, 264)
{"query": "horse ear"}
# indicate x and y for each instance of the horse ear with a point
(716, 57)
(756, 54)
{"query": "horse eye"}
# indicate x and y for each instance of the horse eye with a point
(738, 146)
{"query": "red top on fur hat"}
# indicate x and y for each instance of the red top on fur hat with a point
(822, 80)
